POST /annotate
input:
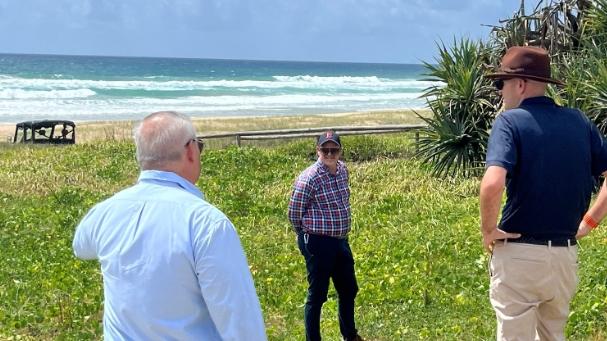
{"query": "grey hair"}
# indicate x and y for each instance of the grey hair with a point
(160, 139)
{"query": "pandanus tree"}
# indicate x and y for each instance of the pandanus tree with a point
(464, 104)
(585, 69)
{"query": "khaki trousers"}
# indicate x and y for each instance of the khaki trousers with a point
(531, 288)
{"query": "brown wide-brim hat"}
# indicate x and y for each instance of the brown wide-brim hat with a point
(525, 62)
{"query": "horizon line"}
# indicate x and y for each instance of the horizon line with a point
(203, 58)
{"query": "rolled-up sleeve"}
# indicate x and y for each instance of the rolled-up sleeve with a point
(226, 282)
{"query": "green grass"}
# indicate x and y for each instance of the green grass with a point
(421, 270)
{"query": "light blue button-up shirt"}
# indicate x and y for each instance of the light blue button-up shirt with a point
(173, 266)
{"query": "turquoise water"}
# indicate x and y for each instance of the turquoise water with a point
(85, 88)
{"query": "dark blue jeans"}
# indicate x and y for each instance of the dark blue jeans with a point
(328, 258)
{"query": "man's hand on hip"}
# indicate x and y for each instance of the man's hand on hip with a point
(489, 238)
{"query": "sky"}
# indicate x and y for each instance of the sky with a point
(391, 31)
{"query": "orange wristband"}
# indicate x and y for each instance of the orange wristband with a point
(590, 221)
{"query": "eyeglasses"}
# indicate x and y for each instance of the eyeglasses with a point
(198, 141)
(327, 151)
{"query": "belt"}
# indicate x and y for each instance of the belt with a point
(541, 241)
(323, 235)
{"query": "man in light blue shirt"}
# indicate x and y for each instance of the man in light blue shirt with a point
(173, 266)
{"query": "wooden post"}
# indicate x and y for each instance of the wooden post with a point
(238, 140)
(416, 141)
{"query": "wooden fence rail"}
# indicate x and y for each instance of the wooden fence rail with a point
(313, 132)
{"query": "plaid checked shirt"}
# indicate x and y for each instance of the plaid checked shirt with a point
(320, 202)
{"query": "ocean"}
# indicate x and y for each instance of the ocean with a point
(90, 88)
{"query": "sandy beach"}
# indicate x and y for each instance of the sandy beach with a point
(121, 130)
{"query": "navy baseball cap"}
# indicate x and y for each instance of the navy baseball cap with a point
(327, 136)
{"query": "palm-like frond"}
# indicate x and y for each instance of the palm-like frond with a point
(463, 106)
(595, 23)
(596, 100)
(555, 26)
(452, 144)
(456, 137)
(585, 72)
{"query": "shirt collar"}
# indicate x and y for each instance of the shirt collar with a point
(325, 169)
(158, 176)
(538, 100)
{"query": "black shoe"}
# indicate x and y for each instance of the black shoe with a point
(355, 338)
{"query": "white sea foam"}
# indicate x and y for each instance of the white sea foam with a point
(42, 94)
(349, 81)
(80, 99)
(101, 109)
(297, 82)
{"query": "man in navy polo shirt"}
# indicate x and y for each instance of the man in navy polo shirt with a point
(546, 156)
(319, 211)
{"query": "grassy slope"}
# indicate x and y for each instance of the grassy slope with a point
(421, 271)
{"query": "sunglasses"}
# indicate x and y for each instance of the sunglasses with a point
(198, 141)
(327, 151)
(498, 84)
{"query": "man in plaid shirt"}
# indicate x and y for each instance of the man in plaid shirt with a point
(319, 211)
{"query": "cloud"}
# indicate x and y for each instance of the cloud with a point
(357, 30)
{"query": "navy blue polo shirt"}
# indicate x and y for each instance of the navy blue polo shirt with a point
(550, 154)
